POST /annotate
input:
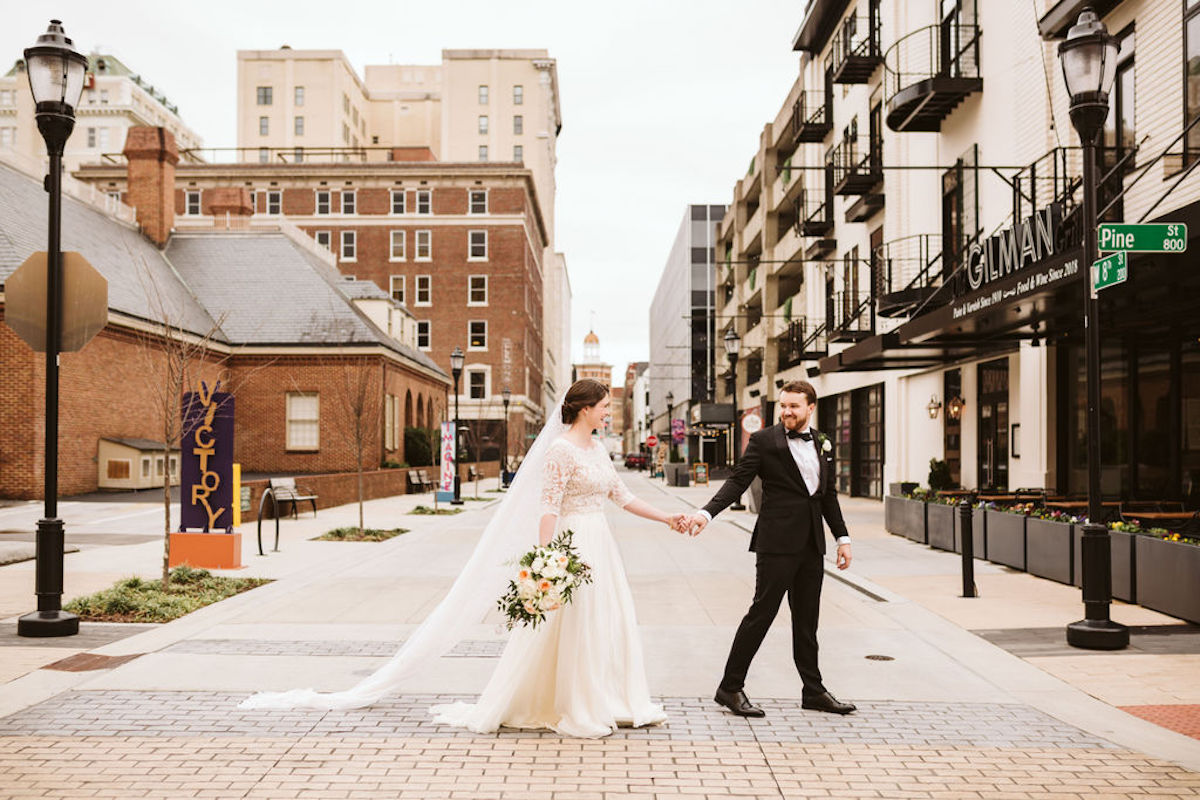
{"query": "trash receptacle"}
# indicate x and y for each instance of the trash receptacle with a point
(680, 475)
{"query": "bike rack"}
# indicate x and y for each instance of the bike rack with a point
(262, 501)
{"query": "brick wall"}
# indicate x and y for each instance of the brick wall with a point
(21, 402)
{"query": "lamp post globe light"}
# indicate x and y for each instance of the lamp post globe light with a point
(507, 396)
(56, 74)
(456, 368)
(733, 343)
(1089, 65)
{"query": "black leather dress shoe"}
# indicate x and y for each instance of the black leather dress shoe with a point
(738, 703)
(827, 702)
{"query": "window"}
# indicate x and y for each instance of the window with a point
(91, 137)
(275, 202)
(425, 202)
(192, 204)
(483, 152)
(518, 95)
(264, 126)
(424, 338)
(145, 467)
(397, 201)
(483, 95)
(518, 153)
(477, 290)
(298, 126)
(322, 202)
(478, 246)
(477, 384)
(518, 124)
(391, 412)
(349, 245)
(483, 123)
(254, 200)
(1191, 78)
(424, 247)
(324, 238)
(265, 95)
(477, 334)
(478, 201)
(303, 420)
(396, 284)
(264, 155)
(8, 137)
(399, 240)
(102, 133)
(346, 136)
(345, 103)
(348, 201)
(298, 155)
(6, 97)
(1119, 135)
(424, 290)
(298, 95)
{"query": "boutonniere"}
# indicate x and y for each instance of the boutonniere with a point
(824, 443)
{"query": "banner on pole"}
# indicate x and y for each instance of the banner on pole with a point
(448, 457)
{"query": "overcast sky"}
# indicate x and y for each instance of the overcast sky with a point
(662, 102)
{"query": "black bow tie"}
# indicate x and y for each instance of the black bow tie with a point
(805, 435)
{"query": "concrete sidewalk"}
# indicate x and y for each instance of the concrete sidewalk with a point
(944, 712)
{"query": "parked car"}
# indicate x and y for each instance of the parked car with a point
(635, 461)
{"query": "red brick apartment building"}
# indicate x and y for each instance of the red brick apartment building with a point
(292, 338)
(459, 245)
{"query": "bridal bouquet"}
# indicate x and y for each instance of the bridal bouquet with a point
(546, 578)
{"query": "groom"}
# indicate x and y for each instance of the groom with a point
(796, 466)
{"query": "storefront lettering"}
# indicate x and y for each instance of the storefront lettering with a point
(1013, 249)
(1034, 282)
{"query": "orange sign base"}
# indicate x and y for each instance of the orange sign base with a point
(206, 550)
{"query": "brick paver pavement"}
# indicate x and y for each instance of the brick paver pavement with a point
(117, 744)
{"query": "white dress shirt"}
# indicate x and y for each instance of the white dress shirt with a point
(808, 461)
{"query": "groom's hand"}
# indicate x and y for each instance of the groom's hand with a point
(696, 523)
(843, 556)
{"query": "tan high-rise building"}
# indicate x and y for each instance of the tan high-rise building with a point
(114, 100)
(477, 105)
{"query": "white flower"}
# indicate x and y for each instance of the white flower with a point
(538, 565)
(526, 590)
(826, 446)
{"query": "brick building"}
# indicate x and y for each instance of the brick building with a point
(293, 340)
(460, 246)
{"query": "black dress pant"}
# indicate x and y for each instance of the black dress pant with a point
(799, 576)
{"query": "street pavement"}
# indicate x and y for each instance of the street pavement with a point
(957, 697)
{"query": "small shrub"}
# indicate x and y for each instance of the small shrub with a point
(439, 511)
(939, 475)
(353, 534)
(137, 600)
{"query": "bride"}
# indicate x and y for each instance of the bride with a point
(581, 672)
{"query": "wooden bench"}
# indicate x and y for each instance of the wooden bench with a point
(418, 481)
(472, 473)
(427, 483)
(285, 490)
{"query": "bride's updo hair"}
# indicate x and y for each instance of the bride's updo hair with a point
(582, 394)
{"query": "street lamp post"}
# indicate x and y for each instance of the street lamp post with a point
(1089, 64)
(669, 437)
(56, 74)
(456, 368)
(507, 395)
(733, 344)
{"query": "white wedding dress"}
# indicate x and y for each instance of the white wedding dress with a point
(580, 672)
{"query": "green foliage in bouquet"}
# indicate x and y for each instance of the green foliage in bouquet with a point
(546, 580)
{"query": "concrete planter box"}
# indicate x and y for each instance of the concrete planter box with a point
(904, 517)
(1049, 549)
(939, 525)
(1006, 538)
(1168, 576)
(1123, 560)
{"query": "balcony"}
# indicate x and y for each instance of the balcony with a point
(865, 207)
(856, 166)
(752, 233)
(909, 274)
(928, 73)
(850, 316)
(801, 341)
(855, 54)
(814, 211)
(812, 117)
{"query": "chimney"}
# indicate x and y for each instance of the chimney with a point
(151, 156)
(230, 206)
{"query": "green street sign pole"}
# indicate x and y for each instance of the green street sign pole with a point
(1156, 237)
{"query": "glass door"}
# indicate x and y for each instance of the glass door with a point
(993, 425)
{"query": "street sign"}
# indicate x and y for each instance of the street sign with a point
(1165, 237)
(652, 441)
(1110, 270)
(84, 302)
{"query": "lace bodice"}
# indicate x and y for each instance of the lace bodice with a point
(577, 481)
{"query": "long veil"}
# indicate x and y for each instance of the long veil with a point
(511, 532)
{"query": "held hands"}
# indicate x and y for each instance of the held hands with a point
(843, 556)
(690, 524)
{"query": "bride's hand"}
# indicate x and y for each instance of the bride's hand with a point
(677, 522)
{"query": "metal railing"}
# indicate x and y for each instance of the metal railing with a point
(811, 110)
(949, 50)
(814, 210)
(909, 263)
(852, 312)
(856, 38)
(855, 158)
(802, 341)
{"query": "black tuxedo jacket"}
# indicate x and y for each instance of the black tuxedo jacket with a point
(789, 518)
